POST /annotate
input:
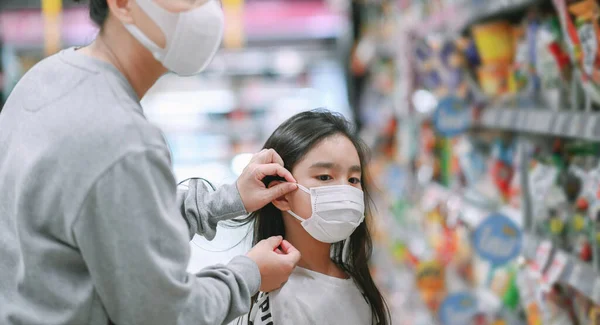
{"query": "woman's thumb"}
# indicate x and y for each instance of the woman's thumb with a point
(274, 242)
(280, 190)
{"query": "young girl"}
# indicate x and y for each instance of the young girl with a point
(325, 220)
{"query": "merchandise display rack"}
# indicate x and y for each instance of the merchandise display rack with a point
(551, 276)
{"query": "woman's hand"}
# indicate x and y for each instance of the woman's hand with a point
(276, 259)
(253, 191)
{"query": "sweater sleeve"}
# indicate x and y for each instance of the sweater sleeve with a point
(136, 248)
(203, 209)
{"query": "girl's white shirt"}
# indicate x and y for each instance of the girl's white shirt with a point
(312, 298)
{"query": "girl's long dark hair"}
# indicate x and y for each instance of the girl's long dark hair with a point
(292, 141)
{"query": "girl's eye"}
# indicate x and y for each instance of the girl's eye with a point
(324, 178)
(355, 180)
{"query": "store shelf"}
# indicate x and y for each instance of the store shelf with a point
(488, 9)
(576, 273)
(578, 125)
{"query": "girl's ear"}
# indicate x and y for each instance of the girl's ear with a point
(280, 203)
(121, 9)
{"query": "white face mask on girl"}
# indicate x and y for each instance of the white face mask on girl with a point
(336, 212)
(192, 37)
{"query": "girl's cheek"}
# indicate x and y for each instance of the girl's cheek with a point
(300, 202)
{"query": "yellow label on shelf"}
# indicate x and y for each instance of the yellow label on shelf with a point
(595, 316)
(556, 226)
(234, 36)
(578, 222)
(51, 10)
(51, 7)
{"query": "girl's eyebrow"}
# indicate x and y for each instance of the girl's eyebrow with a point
(355, 169)
(330, 165)
(325, 165)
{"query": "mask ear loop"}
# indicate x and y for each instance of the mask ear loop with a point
(292, 213)
(295, 215)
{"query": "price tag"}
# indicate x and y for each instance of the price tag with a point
(488, 117)
(542, 255)
(541, 178)
(545, 122)
(591, 183)
(589, 44)
(506, 119)
(560, 123)
(556, 268)
(522, 120)
(538, 126)
(590, 127)
(575, 126)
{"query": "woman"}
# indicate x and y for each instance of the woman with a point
(90, 221)
(325, 220)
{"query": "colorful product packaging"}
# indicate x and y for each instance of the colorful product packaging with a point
(580, 23)
(495, 42)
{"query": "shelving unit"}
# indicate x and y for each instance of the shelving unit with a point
(557, 265)
(564, 267)
(580, 125)
(486, 9)
(448, 30)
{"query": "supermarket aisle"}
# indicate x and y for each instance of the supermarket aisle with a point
(494, 148)
(482, 117)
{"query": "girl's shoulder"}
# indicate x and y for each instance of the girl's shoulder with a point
(307, 299)
(276, 309)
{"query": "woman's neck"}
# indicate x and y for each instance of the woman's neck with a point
(116, 46)
(316, 256)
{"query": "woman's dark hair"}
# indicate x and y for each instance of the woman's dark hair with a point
(292, 141)
(98, 11)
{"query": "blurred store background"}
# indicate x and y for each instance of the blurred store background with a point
(482, 116)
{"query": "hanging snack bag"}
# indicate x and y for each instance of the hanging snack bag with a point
(541, 179)
(552, 64)
(579, 19)
(496, 46)
(495, 42)
(523, 78)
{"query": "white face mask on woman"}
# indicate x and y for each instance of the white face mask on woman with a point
(192, 37)
(336, 212)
